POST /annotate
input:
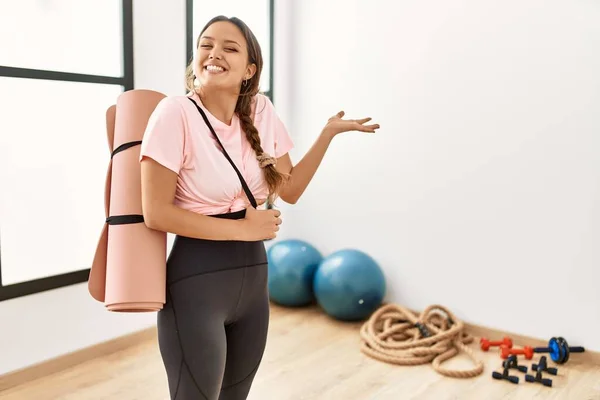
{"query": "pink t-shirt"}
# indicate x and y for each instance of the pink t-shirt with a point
(178, 138)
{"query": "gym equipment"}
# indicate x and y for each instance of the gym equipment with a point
(292, 265)
(396, 335)
(526, 351)
(486, 343)
(538, 378)
(511, 362)
(543, 366)
(559, 350)
(505, 375)
(349, 285)
(128, 272)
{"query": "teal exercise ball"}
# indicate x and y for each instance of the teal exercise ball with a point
(349, 285)
(292, 265)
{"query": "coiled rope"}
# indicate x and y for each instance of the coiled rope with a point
(396, 335)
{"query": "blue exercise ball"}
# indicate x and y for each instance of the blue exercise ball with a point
(349, 285)
(292, 265)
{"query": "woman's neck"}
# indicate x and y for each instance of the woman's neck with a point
(220, 104)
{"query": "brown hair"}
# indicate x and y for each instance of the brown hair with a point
(248, 91)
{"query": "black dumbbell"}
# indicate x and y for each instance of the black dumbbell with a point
(543, 366)
(538, 378)
(511, 362)
(559, 350)
(505, 375)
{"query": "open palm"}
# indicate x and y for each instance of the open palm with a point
(337, 125)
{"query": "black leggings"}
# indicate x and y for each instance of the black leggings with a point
(212, 330)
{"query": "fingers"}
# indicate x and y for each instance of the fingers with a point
(275, 229)
(277, 218)
(359, 125)
(278, 221)
(366, 128)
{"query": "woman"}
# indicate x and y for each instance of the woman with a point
(208, 160)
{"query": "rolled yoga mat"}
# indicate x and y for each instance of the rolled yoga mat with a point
(128, 273)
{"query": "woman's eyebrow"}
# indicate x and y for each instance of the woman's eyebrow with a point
(226, 41)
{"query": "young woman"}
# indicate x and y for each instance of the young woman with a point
(208, 160)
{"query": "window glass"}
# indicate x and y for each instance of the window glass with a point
(79, 36)
(53, 160)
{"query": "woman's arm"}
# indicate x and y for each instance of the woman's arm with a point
(302, 173)
(158, 192)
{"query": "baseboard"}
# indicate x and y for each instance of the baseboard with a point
(69, 360)
(72, 359)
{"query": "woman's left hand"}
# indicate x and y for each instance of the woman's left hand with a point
(337, 125)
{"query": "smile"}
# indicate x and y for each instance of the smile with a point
(214, 69)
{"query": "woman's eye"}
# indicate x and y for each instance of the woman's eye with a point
(208, 46)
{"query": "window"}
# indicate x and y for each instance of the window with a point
(62, 63)
(258, 15)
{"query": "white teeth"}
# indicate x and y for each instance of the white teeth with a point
(214, 68)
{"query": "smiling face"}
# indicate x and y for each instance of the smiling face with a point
(222, 57)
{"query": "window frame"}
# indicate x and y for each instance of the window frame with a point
(189, 28)
(29, 287)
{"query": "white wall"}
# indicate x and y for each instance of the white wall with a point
(480, 192)
(52, 323)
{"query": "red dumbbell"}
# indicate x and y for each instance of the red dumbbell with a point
(486, 343)
(526, 351)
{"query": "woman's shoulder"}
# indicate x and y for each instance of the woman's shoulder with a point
(170, 106)
(174, 107)
(176, 102)
(262, 100)
(263, 107)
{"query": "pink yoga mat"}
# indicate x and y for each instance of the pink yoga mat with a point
(128, 273)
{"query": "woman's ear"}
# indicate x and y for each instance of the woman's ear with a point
(250, 71)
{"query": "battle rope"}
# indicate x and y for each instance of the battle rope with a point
(396, 335)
